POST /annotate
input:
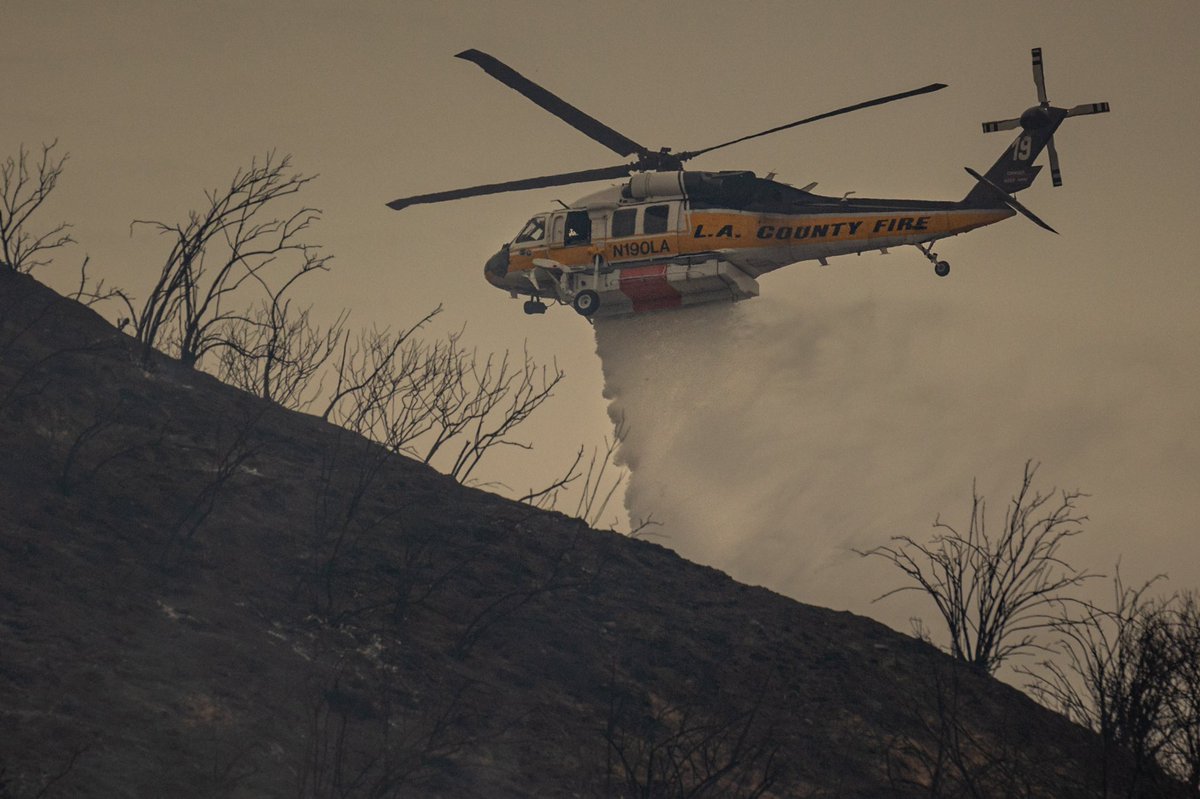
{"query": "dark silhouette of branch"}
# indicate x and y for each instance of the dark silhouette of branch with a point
(439, 402)
(72, 474)
(279, 355)
(371, 739)
(994, 592)
(506, 604)
(88, 294)
(24, 188)
(948, 754)
(349, 470)
(682, 749)
(228, 457)
(1114, 673)
(233, 241)
(24, 373)
(375, 369)
(1180, 754)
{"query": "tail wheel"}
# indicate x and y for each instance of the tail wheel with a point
(586, 302)
(941, 268)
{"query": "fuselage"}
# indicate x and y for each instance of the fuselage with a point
(755, 224)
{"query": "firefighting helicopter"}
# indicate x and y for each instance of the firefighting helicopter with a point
(667, 237)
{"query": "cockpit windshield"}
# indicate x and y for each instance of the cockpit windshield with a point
(534, 230)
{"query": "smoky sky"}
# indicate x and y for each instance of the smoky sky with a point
(844, 405)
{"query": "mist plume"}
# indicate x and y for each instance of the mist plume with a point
(771, 438)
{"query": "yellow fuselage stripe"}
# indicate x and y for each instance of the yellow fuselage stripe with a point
(731, 231)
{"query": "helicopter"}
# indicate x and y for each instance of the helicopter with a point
(667, 237)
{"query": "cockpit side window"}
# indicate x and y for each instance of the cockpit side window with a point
(623, 222)
(655, 219)
(534, 230)
(579, 228)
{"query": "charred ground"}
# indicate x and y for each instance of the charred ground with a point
(202, 594)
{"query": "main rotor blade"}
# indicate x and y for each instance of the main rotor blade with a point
(564, 179)
(1039, 76)
(933, 87)
(588, 125)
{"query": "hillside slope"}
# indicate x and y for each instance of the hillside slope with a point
(204, 595)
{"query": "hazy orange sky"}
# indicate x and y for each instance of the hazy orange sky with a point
(847, 403)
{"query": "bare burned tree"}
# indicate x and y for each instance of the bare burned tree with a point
(24, 187)
(279, 354)
(235, 441)
(475, 404)
(1181, 754)
(951, 754)
(440, 403)
(350, 469)
(369, 736)
(26, 366)
(682, 750)
(88, 453)
(1114, 674)
(560, 572)
(381, 378)
(601, 479)
(231, 243)
(994, 591)
(89, 293)
(20, 786)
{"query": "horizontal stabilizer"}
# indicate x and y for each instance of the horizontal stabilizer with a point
(1010, 201)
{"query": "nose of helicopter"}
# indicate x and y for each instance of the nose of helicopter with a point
(496, 268)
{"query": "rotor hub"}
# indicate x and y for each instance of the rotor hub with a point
(1035, 118)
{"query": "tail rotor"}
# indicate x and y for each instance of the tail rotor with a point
(1043, 114)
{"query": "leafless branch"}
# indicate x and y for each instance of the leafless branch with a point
(233, 241)
(279, 355)
(24, 188)
(1113, 672)
(682, 749)
(994, 592)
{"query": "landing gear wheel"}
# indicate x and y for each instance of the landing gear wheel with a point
(586, 302)
(534, 307)
(940, 268)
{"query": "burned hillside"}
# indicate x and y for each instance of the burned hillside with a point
(203, 594)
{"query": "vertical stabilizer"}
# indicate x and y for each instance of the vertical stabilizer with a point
(1015, 169)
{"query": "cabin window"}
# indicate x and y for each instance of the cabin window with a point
(579, 228)
(623, 222)
(655, 220)
(534, 230)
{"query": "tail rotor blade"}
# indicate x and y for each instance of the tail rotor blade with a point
(1088, 108)
(1055, 172)
(1039, 77)
(1003, 124)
